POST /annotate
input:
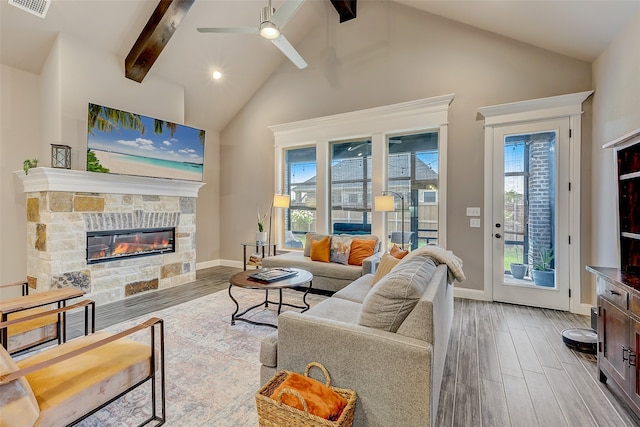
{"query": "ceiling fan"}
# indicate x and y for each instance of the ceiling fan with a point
(271, 22)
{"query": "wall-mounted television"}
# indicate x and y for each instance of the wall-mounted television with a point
(126, 143)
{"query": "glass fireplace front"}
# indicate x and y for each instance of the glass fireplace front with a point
(110, 245)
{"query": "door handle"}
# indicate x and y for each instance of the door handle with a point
(498, 235)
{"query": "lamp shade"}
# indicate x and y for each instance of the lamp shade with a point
(384, 204)
(281, 200)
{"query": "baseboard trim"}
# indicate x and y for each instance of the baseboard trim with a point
(218, 263)
(584, 309)
(207, 264)
(477, 294)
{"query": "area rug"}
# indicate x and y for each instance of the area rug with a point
(212, 368)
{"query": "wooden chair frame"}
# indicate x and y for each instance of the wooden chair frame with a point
(27, 301)
(155, 326)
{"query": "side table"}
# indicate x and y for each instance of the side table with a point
(260, 247)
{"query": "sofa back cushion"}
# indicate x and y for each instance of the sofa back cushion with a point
(396, 294)
(18, 404)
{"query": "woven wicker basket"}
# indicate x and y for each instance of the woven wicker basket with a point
(272, 413)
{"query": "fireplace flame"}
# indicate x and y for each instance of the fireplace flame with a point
(137, 246)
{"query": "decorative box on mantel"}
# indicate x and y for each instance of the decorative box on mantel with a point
(67, 207)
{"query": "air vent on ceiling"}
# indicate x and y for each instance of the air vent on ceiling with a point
(36, 7)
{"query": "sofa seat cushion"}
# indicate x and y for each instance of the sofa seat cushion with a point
(325, 269)
(337, 309)
(67, 390)
(18, 405)
(356, 291)
(392, 299)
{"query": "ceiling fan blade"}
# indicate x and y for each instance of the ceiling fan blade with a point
(285, 12)
(242, 30)
(283, 44)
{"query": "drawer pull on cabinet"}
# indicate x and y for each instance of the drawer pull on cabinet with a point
(632, 358)
(625, 356)
(613, 292)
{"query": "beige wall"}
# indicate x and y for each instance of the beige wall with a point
(390, 54)
(52, 108)
(616, 111)
(19, 136)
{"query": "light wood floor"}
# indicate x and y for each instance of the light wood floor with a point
(506, 364)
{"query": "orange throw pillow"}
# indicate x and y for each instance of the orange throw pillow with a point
(321, 249)
(361, 249)
(321, 400)
(397, 252)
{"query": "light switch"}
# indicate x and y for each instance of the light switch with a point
(474, 223)
(473, 211)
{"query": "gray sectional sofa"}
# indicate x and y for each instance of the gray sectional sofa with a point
(388, 342)
(327, 276)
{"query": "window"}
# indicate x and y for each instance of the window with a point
(412, 165)
(350, 184)
(352, 158)
(300, 183)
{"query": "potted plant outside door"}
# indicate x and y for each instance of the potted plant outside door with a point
(543, 275)
(518, 270)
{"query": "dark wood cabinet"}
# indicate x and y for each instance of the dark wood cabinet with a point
(613, 342)
(618, 289)
(628, 172)
(619, 330)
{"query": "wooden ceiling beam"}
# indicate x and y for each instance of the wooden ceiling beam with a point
(345, 8)
(154, 37)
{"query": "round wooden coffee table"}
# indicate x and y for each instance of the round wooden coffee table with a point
(302, 279)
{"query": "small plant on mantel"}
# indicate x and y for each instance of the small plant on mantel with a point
(28, 164)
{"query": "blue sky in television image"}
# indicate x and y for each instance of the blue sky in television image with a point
(184, 146)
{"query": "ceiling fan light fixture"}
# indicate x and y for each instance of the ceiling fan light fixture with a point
(269, 31)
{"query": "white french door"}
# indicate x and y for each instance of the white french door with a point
(530, 214)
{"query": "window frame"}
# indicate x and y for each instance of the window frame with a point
(376, 124)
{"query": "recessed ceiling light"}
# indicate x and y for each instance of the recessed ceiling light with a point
(217, 75)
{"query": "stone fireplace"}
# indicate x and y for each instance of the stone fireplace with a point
(79, 223)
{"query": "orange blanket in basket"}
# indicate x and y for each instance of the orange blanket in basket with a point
(321, 400)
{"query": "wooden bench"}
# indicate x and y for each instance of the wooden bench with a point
(63, 385)
(40, 329)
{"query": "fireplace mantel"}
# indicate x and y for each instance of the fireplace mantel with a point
(52, 179)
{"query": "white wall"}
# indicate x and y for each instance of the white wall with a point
(390, 54)
(52, 108)
(616, 111)
(19, 137)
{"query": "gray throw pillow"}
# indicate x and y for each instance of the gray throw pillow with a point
(392, 299)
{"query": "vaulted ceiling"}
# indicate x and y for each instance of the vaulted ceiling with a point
(579, 29)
